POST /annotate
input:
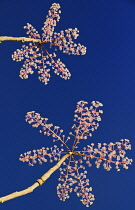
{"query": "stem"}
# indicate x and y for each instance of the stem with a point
(24, 39)
(18, 39)
(38, 182)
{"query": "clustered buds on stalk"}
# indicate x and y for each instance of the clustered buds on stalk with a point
(86, 119)
(107, 154)
(43, 60)
(41, 155)
(72, 172)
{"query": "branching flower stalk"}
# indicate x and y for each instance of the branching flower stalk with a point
(73, 175)
(37, 56)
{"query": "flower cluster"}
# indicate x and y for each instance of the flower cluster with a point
(47, 129)
(43, 60)
(31, 31)
(63, 39)
(86, 120)
(107, 154)
(53, 153)
(73, 176)
(51, 20)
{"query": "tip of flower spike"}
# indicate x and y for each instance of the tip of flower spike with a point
(96, 103)
(55, 6)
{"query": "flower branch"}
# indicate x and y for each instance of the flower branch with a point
(34, 55)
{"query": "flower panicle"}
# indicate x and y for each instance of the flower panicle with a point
(51, 19)
(32, 55)
(47, 129)
(64, 41)
(27, 52)
(108, 154)
(67, 179)
(83, 189)
(60, 69)
(86, 119)
(42, 155)
(73, 178)
(31, 31)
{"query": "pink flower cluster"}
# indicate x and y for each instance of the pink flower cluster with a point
(43, 60)
(46, 128)
(52, 153)
(31, 31)
(108, 154)
(72, 173)
(63, 39)
(51, 20)
(86, 119)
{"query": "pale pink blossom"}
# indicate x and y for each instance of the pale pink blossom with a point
(73, 175)
(37, 56)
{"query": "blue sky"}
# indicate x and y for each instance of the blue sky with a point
(106, 74)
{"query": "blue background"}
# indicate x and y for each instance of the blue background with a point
(106, 74)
